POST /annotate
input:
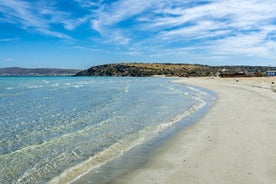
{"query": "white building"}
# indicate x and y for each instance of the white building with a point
(271, 73)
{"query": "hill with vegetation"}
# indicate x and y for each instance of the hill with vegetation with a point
(168, 69)
(16, 71)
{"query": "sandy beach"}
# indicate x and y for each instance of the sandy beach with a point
(235, 142)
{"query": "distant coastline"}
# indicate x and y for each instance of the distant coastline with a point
(169, 69)
(17, 71)
(145, 70)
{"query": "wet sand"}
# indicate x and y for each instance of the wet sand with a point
(235, 142)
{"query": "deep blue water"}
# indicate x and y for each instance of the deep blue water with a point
(53, 129)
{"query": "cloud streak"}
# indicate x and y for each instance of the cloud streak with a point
(109, 16)
(39, 17)
(5, 40)
(214, 28)
(243, 27)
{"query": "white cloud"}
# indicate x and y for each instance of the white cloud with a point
(215, 27)
(38, 17)
(119, 11)
(202, 29)
(88, 3)
(176, 20)
(107, 16)
(253, 44)
(229, 27)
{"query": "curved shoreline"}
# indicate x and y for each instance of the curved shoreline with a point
(233, 143)
(147, 143)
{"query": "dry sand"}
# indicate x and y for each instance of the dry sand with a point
(235, 142)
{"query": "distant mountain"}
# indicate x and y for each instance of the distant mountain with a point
(168, 69)
(16, 71)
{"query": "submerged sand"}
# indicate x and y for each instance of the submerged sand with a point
(235, 142)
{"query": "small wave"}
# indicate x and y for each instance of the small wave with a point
(96, 127)
(45, 81)
(78, 86)
(9, 88)
(56, 84)
(118, 149)
(126, 89)
(33, 87)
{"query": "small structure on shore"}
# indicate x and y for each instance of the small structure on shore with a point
(271, 73)
(234, 73)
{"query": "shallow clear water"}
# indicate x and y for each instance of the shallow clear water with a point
(53, 129)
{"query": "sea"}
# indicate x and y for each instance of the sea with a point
(89, 129)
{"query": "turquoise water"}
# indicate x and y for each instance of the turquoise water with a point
(55, 129)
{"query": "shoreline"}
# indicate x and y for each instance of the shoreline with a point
(233, 143)
(138, 155)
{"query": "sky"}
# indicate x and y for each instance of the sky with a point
(84, 33)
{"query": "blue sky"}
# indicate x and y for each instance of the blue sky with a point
(84, 33)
